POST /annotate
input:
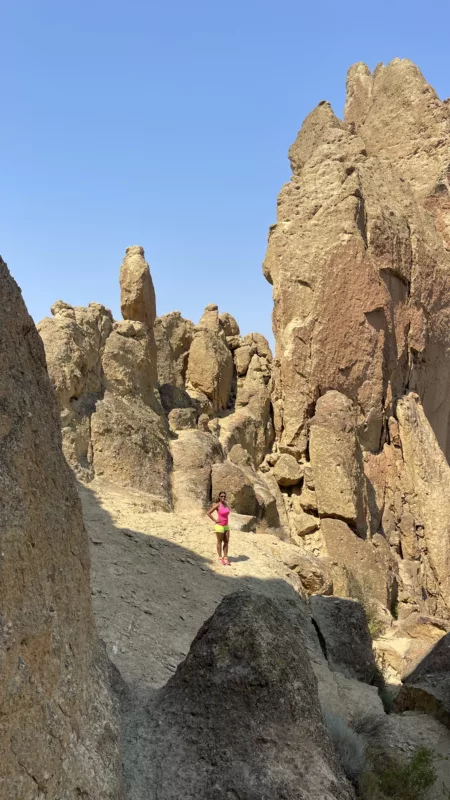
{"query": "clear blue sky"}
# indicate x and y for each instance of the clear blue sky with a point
(168, 125)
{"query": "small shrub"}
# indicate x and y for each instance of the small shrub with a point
(368, 725)
(350, 747)
(400, 780)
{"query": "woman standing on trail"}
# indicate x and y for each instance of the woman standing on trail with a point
(222, 528)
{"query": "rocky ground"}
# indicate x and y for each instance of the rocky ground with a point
(156, 579)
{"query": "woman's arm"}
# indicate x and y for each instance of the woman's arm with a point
(211, 511)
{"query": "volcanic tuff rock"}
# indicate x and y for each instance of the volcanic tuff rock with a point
(59, 730)
(203, 745)
(130, 412)
(359, 260)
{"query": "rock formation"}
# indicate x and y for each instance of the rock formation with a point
(359, 260)
(153, 403)
(241, 716)
(59, 728)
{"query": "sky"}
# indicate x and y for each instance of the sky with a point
(168, 125)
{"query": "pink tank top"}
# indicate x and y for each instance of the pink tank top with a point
(223, 513)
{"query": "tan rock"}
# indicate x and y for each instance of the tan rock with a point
(173, 336)
(229, 324)
(360, 566)
(236, 483)
(302, 523)
(137, 295)
(54, 678)
(182, 418)
(210, 367)
(308, 499)
(336, 460)
(128, 368)
(259, 345)
(130, 447)
(343, 626)
(287, 471)
(242, 358)
(74, 341)
(193, 453)
(360, 272)
(429, 476)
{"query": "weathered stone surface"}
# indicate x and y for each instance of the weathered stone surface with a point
(233, 480)
(242, 522)
(74, 341)
(194, 453)
(342, 626)
(229, 324)
(210, 367)
(202, 745)
(54, 677)
(137, 295)
(429, 479)
(129, 443)
(128, 367)
(173, 336)
(174, 397)
(242, 358)
(427, 688)
(336, 460)
(361, 566)
(287, 471)
(182, 418)
(342, 256)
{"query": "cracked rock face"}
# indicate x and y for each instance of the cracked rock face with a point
(359, 260)
(59, 732)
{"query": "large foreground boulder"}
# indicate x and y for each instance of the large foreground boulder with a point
(241, 717)
(58, 726)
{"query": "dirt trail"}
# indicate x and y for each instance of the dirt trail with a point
(156, 578)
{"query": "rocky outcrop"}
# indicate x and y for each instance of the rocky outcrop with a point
(359, 260)
(210, 363)
(201, 744)
(173, 335)
(342, 629)
(427, 688)
(105, 377)
(59, 729)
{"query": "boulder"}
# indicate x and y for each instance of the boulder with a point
(194, 453)
(237, 484)
(242, 358)
(243, 522)
(210, 368)
(361, 568)
(128, 368)
(137, 295)
(173, 336)
(182, 418)
(287, 471)
(174, 397)
(336, 460)
(427, 687)
(130, 447)
(202, 745)
(229, 324)
(345, 637)
(59, 721)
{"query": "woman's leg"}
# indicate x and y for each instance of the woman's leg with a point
(220, 537)
(226, 539)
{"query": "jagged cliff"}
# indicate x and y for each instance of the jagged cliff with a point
(360, 265)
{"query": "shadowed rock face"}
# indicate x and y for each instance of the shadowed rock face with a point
(241, 716)
(59, 735)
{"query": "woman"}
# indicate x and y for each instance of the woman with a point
(222, 528)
